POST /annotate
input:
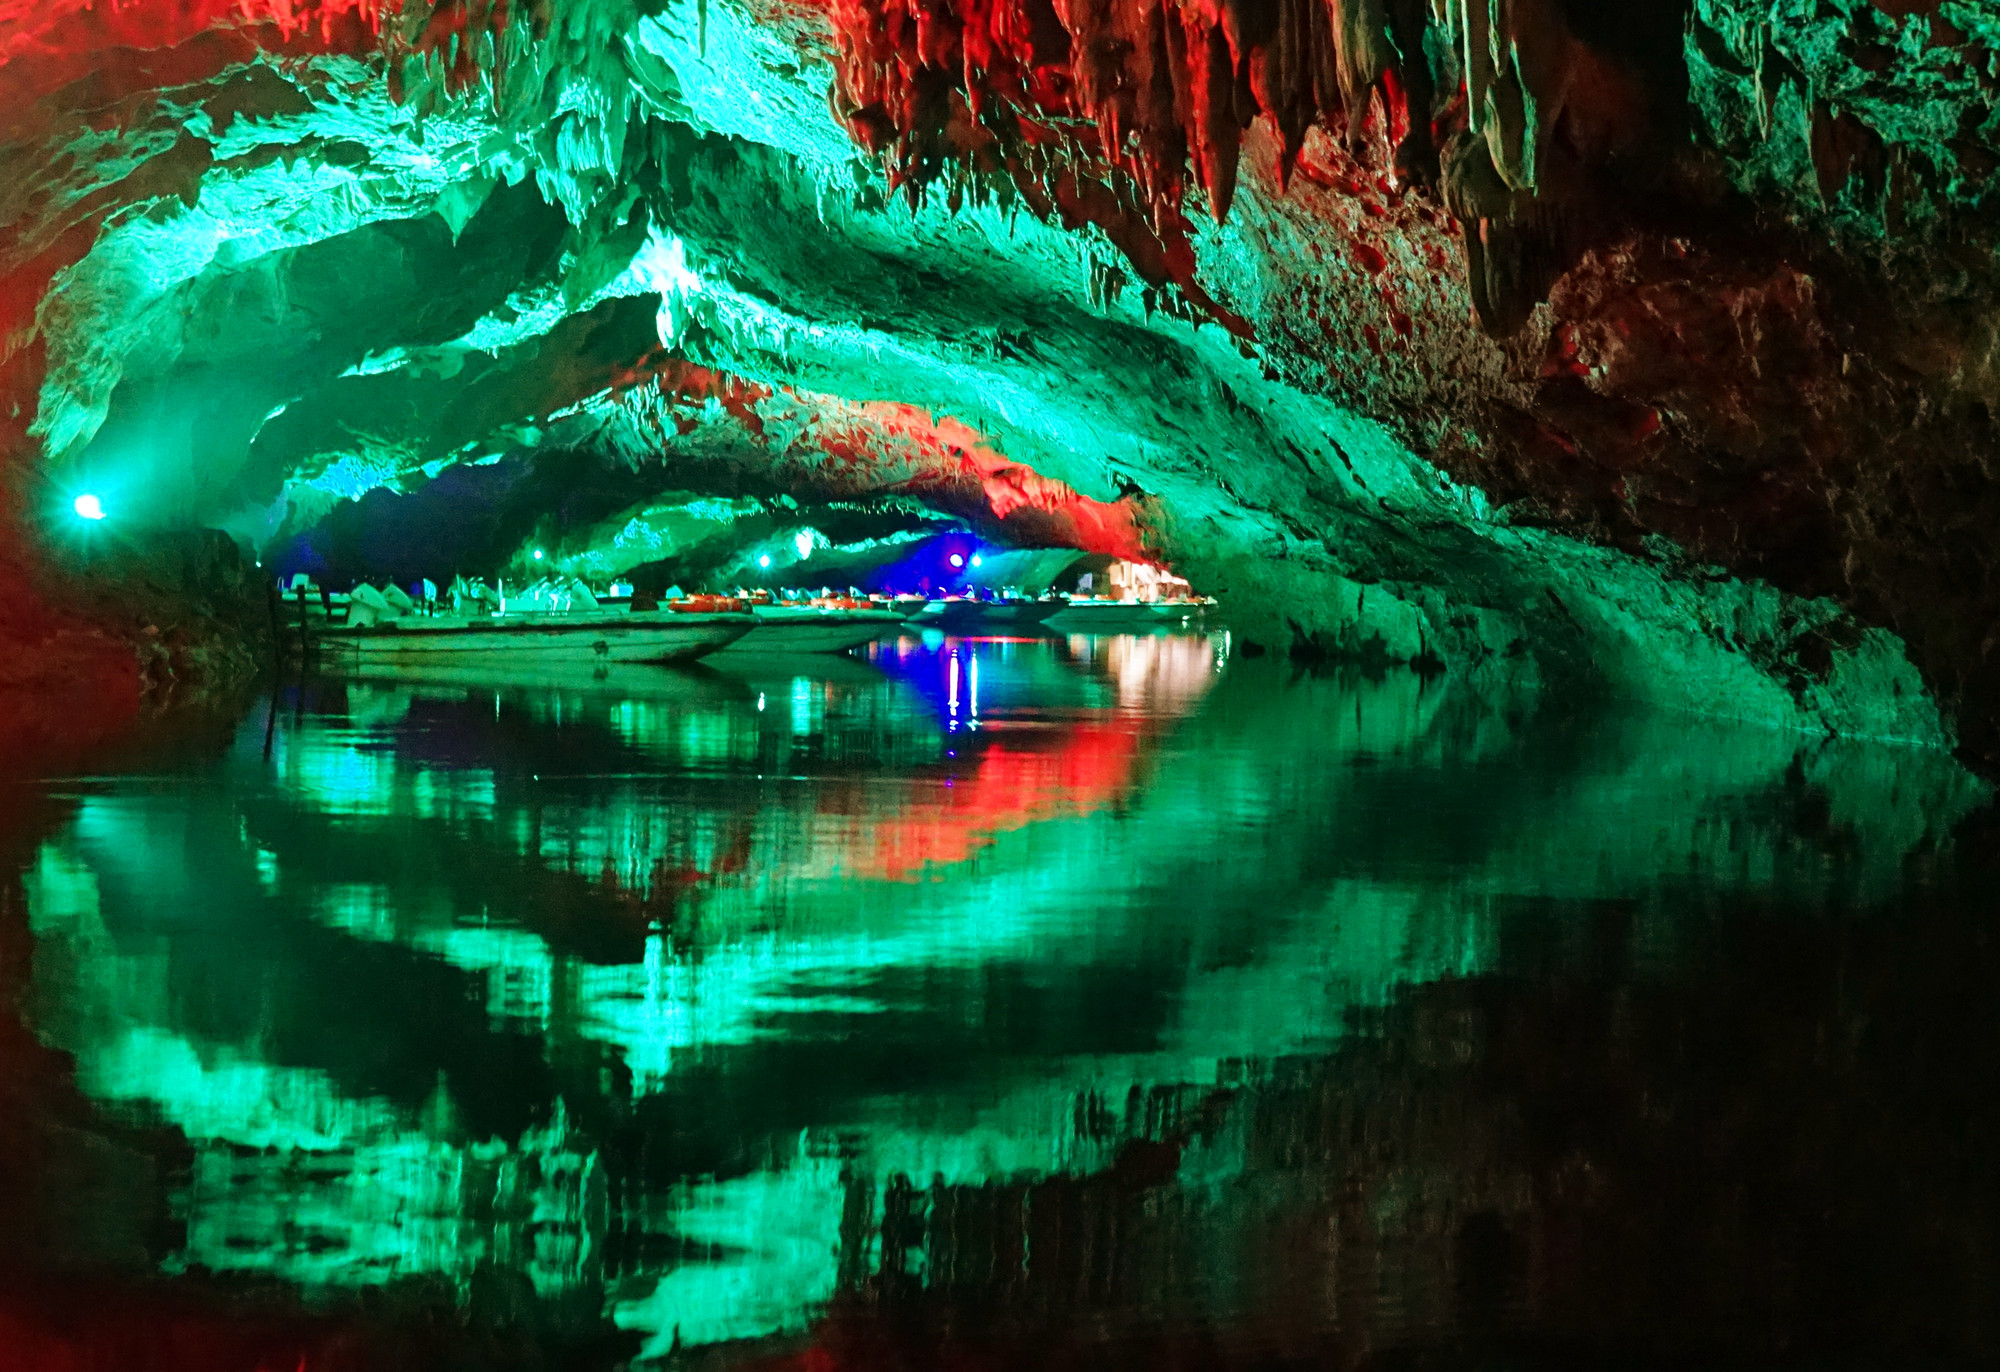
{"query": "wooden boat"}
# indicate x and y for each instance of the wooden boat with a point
(817, 627)
(658, 636)
(1090, 615)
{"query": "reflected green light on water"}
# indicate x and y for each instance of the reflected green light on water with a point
(651, 987)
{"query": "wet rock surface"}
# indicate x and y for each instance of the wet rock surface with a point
(1655, 355)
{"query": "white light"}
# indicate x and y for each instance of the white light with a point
(662, 265)
(89, 507)
(957, 561)
(538, 554)
(803, 541)
(764, 560)
(978, 561)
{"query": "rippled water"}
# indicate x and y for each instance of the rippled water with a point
(1020, 1004)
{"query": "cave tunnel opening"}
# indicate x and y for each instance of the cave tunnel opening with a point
(849, 684)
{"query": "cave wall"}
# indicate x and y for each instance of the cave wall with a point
(1654, 355)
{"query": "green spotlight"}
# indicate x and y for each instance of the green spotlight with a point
(538, 554)
(89, 507)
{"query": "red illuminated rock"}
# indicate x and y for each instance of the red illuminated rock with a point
(1701, 276)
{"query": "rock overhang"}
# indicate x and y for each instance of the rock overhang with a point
(289, 256)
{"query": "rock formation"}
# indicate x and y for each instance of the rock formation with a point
(1648, 347)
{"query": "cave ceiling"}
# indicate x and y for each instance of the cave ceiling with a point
(1653, 345)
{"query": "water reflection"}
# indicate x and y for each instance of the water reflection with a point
(1019, 976)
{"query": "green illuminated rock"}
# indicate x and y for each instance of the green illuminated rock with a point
(638, 232)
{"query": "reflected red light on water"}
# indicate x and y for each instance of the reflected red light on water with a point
(1007, 788)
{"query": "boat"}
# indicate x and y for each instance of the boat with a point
(676, 633)
(820, 626)
(1103, 615)
(907, 606)
(1015, 613)
(966, 615)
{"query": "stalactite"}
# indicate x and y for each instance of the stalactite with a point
(1113, 111)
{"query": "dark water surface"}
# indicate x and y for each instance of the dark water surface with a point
(1065, 1003)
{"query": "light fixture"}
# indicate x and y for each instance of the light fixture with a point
(978, 561)
(764, 560)
(89, 507)
(957, 560)
(538, 554)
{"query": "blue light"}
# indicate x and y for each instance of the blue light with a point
(977, 560)
(89, 507)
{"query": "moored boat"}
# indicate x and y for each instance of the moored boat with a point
(968, 615)
(907, 606)
(662, 636)
(1091, 615)
(815, 627)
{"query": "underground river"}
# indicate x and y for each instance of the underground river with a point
(994, 1003)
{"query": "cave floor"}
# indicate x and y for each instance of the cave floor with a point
(995, 1003)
